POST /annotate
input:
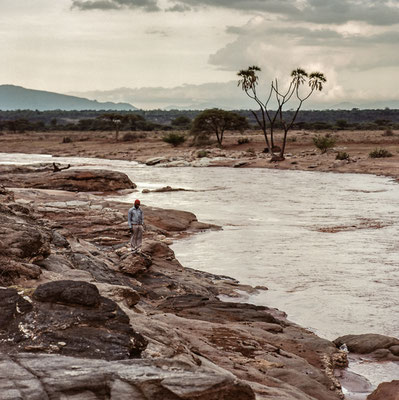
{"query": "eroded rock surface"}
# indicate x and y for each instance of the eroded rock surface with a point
(91, 299)
(67, 317)
(42, 376)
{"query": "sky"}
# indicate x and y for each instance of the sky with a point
(155, 53)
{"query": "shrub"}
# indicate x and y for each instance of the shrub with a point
(323, 143)
(388, 132)
(380, 153)
(175, 139)
(129, 137)
(202, 153)
(242, 140)
(66, 139)
(342, 155)
(292, 139)
(251, 151)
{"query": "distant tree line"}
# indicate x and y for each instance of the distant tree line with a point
(160, 120)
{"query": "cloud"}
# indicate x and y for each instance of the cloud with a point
(377, 12)
(262, 41)
(179, 8)
(351, 55)
(146, 5)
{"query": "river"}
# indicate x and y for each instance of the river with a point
(277, 233)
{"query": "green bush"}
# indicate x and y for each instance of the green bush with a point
(342, 155)
(175, 139)
(242, 140)
(380, 153)
(323, 143)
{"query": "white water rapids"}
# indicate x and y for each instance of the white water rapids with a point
(332, 283)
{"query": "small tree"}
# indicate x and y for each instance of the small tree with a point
(174, 138)
(218, 121)
(323, 143)
(269, 120)
(116, 120)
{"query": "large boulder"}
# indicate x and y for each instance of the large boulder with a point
(379, 346)
(46, 376)
(75, 180)
(68, 292)
(386, 391)
(68, 318)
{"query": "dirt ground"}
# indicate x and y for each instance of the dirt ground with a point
(301, 154)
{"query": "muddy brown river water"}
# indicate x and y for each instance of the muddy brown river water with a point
(326, 245)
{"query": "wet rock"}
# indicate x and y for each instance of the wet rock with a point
(69, 318)
(156, 160)
(78, 180)
(44, 376)
(386, 391)
(378, 346)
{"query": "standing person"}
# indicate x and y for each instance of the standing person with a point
(135, 220)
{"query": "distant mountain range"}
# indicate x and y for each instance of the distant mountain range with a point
(18, 98)
(225, 95)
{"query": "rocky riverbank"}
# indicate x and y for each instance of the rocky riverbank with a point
(148, 147)
(82, 318)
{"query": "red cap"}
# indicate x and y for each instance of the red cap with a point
(137, 201)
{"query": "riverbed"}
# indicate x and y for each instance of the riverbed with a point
(326, 245)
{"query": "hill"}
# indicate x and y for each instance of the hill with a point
(19, 98)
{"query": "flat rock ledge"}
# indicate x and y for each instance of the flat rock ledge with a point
(45, 376)
(74, 180)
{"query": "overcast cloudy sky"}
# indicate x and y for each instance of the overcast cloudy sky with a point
(71, 46)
